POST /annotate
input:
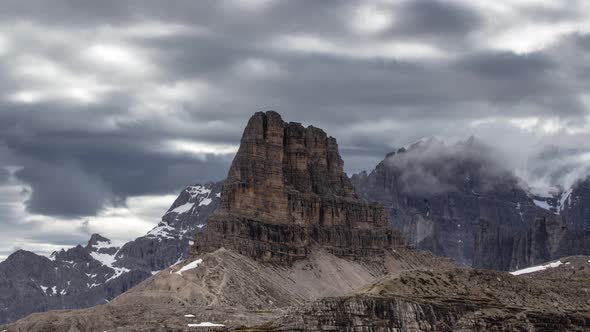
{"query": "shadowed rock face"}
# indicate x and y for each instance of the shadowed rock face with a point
(547, 239)
(285, 192)
(575, 208)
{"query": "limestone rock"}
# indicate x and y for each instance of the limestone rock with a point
(286, 191)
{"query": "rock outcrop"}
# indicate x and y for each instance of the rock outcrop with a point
(96, 273)
(286, 192)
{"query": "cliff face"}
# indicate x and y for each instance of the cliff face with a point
(286, 191)
(440, 197)
(575, 205)
(547, 239)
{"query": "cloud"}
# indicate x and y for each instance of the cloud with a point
(433, 166)
(63, 189)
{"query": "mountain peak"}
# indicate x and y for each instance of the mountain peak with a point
(98, 241)
(286, 190)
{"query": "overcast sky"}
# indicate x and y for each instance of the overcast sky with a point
(108, 108)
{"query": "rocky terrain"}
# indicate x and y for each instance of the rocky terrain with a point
(96, 273)
(454, 199)
(554, 299)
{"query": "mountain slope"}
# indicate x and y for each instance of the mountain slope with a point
(96, 273)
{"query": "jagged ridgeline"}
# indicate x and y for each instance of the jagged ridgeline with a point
(287, 192)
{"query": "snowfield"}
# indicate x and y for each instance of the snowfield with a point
(536, 268)
(190, 266)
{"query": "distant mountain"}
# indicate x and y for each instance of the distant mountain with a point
(96, 273)
(454, 198)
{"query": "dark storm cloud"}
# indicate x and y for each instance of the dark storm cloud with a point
(63, 189)
(428, 18)
(4, 175)
(110, 150)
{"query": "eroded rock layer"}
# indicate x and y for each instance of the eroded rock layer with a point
(287, 191)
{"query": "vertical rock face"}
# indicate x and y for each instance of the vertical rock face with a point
(286, 191)
(547, 239)
(574, 205)
(439, 196)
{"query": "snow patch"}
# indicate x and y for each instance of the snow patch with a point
(205, 201)
(206, 324)
(197, 190)
(161, 231)
(183, 208)
(565, 197)
(190, 266)
(108, 261)
(200, 225)
(536, 268)
(189, 316)
(44, 289)
(542, 204)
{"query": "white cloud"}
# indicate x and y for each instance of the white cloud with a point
(198, 148)
(123, 58)
(48, 80)
(369, 18)
(358, 49)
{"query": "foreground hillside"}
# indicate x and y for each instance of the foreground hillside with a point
(456, 300)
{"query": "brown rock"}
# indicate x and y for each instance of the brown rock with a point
(286, 191)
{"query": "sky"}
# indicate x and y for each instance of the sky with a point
(109, 108)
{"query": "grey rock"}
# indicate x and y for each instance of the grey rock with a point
(440, 196)
(84, 276)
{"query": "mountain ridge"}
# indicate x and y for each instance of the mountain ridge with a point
(83, 276)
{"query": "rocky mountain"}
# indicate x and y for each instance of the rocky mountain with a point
(286, 191)
(456, 200)
(96, 273)
(292, 247)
